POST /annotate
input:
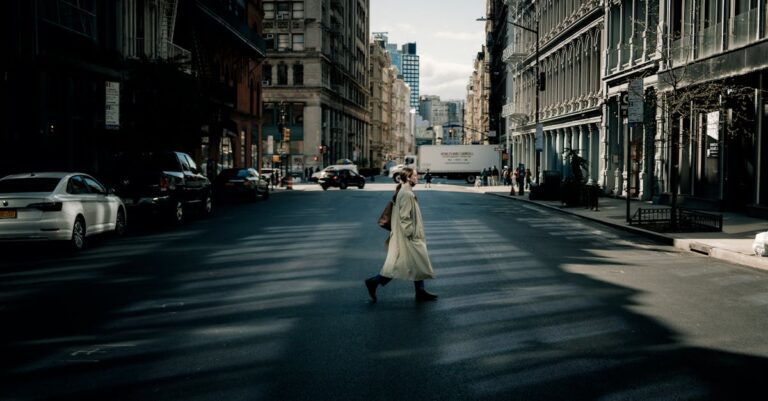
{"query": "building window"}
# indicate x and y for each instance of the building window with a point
(297, 114)
(298, 42)
(282, 74)
(266, 73)
(269, 10)
(298, 10)
(283, 10)
(298, 74)
(283, 41)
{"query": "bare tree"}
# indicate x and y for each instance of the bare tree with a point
(686, 88)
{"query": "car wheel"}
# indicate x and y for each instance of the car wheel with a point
(265, 193)
(120, 223)
(361, 185)
(343, 185)
(471, 179)
(325, 187)
(77, 243)
(396, 178)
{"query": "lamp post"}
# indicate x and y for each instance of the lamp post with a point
(539, 87)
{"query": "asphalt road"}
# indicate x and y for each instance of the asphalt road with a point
(265, 301)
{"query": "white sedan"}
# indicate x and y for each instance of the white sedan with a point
(57, 206)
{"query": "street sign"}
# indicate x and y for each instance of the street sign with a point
(112, 105)
(539, 138)
(635, 112)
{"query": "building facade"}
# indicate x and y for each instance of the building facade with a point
(664, 99)
(316, 83)
(565, 75)
(476, 120)
(86, 81)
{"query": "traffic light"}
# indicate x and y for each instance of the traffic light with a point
(286, 134)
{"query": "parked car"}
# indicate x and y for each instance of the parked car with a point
(163, 183)
(241, 183)
(58, 206)
(341, 179)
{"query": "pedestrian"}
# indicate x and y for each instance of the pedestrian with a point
(484, 176)
(407, 257)
(528, 178)
(428, 179)
(495, 176)
(520, 181)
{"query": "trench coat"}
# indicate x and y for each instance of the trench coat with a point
(407, 256)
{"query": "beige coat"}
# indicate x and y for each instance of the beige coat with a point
(407, 256)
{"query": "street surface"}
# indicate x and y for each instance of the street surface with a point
(265, 301)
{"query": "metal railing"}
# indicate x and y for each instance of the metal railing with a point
(685, 219)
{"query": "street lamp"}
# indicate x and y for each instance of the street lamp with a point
(539, 85)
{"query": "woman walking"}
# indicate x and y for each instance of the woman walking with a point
(407, 257)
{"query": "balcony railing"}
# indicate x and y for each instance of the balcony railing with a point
(711, 40)
(514, 53)
(744, 28)
(680, 51)
(234, 23)
(71, 16)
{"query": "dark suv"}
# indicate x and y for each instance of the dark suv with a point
(341, 179)
(162, 183)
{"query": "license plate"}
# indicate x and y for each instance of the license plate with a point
(8, 214)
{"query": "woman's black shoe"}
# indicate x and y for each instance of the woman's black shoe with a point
(371, 285)
(423, 295)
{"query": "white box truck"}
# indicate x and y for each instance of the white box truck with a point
(464, 162)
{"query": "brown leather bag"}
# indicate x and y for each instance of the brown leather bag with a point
(385, 220)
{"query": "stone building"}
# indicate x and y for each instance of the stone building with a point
(476, 120)
(568, 83)
(316, 82)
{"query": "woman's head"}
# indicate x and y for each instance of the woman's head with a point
(408, 174)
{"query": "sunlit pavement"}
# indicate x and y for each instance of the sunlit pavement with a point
(265, 301)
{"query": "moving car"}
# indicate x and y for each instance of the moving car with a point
(241, 183)
(58, 206)
(341, 179)
(167, 184)
(320, 174)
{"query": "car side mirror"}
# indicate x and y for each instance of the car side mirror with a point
(111, 191)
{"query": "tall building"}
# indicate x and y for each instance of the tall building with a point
(410, 71)
(316, 82)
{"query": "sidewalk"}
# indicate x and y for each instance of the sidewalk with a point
(733, 244)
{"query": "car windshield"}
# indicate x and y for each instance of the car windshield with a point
(37, 184)
(229, 173)
(151, 162)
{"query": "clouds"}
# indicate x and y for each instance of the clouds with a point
(463, 36)
(444, 77)
(446, 34)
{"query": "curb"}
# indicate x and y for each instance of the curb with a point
(682, 244)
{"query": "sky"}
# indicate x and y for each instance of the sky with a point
(447, 37)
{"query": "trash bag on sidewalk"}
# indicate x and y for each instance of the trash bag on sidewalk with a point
(759, 246)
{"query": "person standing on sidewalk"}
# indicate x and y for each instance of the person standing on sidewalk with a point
(407, 256)
(428, 179)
